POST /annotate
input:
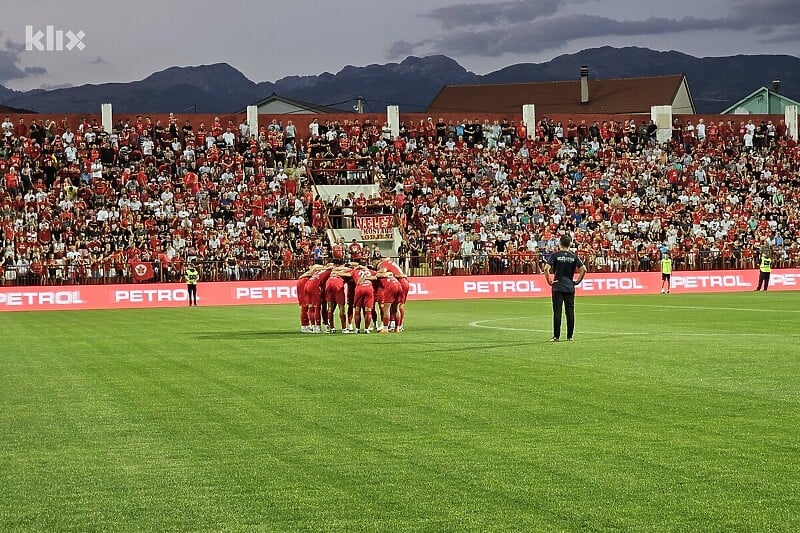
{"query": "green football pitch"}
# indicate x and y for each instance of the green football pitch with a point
(667, 413)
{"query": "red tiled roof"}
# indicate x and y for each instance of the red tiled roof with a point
(623, 95)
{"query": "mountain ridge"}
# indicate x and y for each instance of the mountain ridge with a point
(715, 82)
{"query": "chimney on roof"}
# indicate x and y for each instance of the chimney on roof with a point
(584, 84)
(776, 86)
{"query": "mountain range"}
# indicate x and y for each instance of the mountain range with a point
(715, 82)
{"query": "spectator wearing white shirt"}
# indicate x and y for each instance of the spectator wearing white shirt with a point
(700, 130)
(244, 130)
(71, 153)
(229, 137)
(97, 169)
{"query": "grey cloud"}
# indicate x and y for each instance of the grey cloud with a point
(9, 63)
(763, 14)
(548, 34)
(403, 49)
(529, 26)
(98, 61)
(789, 37)
(53, 86)
(458, 15)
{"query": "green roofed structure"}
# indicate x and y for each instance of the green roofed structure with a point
(762, 101)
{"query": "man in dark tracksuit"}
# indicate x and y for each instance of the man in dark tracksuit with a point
(563, 264)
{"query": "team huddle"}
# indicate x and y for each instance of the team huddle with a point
(362, 294)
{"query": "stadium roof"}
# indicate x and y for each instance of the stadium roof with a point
(274, 104)
(609, 96)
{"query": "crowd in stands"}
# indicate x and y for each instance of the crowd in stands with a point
(80, 205)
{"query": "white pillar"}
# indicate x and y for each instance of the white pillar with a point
(107, 118)
(252, 120)
(393, 119)
(661, 115)
(790, 114)
(529, 119)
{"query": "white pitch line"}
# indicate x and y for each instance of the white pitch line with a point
(481, 324)
(692, 308)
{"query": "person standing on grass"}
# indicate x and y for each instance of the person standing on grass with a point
(666, 272)
(563, 264)
(764, 268)
(192, 277)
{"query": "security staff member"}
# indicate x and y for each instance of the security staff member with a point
(666, 272)
(563, 265)
(192, 277)
(764, 268)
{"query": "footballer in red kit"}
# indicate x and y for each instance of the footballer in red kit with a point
(364, 298)
(402, 278)
(350, 289)
(302, 297)
(335, 297)
(314, 294)
(390, 295)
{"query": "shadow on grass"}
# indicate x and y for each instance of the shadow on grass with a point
(253, 334)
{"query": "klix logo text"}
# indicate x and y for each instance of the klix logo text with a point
(53, 40)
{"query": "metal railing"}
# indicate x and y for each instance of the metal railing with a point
(63, 273)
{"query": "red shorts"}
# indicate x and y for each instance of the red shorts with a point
(391, 294)
(302, 298)
(313, 292)
(334, 291)
(404, 287)
(364, 296)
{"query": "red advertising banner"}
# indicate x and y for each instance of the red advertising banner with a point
(376, 227)
(427, 288)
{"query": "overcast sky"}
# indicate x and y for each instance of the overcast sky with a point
(269, 39)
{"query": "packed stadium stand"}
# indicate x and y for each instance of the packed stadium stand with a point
(470, 195)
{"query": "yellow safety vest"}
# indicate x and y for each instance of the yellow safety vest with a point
(192, 276)
(666, 266)
(766, 263)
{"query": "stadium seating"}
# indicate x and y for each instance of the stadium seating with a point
(80, 205)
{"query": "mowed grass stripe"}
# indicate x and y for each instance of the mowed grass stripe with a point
(227, 418)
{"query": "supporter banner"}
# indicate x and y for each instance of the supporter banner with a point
(427, 288)
(376, 227)
(142, 271)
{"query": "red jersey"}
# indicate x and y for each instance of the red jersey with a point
(356, 251)
(392, 267)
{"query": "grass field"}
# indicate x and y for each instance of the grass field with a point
(667, 413)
